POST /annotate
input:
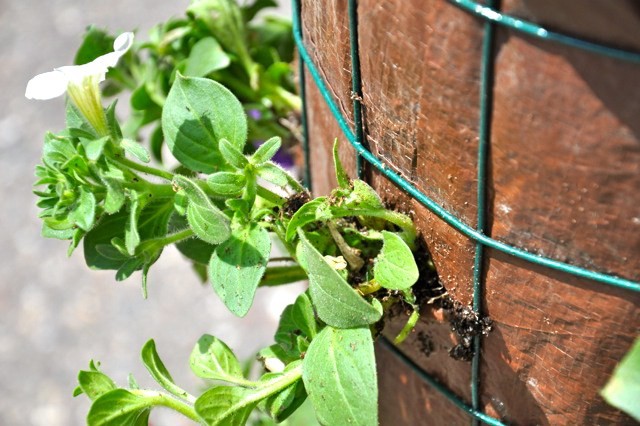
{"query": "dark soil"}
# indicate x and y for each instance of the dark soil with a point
(293, 203)
(465, 322)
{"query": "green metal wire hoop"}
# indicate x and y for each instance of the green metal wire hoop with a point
(492, 16)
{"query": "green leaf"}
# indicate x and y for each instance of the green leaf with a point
(281, 405)
(226, 183)
(136, 150)
(158, 371)
(96, 42)
(131, 234)
(59, 234)
(205, 219)
(336, 303)
(363, 196)
(198, 113)
(249, 11)
(156, 141)
(78, 235)
(98, 251)
(339, 374)
(94, 148)
(127, 269)
(395, 267)
(115, 196)
(112, 121)
(237, 265)
(226, 405)
(84, 213)
(206, 56)
(266, 151)
(341, 175)
(119, 407)
(140, 99)
(233, 155)
(193, 248)
(305, 214)
(297, 319)
(623, 388)
(274, 174)
(95, 384)
(212, 359)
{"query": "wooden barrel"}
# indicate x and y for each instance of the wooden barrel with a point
(563, 183)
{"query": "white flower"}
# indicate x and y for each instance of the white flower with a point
(274, 365)
(81, 83)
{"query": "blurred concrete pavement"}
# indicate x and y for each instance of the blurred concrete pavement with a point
(56, 314)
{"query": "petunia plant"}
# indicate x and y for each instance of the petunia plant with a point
(225, 208)
(216, 39)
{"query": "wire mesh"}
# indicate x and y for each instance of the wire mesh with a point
(491, 16)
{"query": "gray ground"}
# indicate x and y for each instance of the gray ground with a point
(56, 315)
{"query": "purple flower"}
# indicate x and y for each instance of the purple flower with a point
(255, 114)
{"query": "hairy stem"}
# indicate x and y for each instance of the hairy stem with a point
(143, 169)
(159, 398)
(351, 255)
(278, 275)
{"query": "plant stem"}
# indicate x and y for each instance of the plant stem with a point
(271, 196)
(174, 238)
(408, 327)
(351, 255)
(158, 190)
(278, 275)
(144, 169)
(159, 398)
(408, 234)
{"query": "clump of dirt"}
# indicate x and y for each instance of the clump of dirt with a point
(467, 324)
(426, 343)
(464, 321)
(294, 203)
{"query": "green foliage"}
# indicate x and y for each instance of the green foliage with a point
(623, 388)
(197, 115)
(222, 207)
(336, 302)
(342, 360)
(242, 259)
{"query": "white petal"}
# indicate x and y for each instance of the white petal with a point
(120, 46)
(123, 42)
(47, 86)
(77, 73)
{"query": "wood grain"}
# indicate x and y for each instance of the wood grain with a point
(564, 180)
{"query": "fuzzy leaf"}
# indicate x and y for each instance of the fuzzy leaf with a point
(119, 407)
(341, 175)
(297, 319)
(84, 213)
(237, 265)
(623, 388)
(226, 405)
(157, 369)
(206, 56)
(274, 174)
(212, 359)
(205, 219)
(339, 374)
(226, 183)
(232, 154)
(395, 267)
(95, 384)
(266, 151)
(136, 150)
(336, 303)
(198, 113)
(305, 214)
